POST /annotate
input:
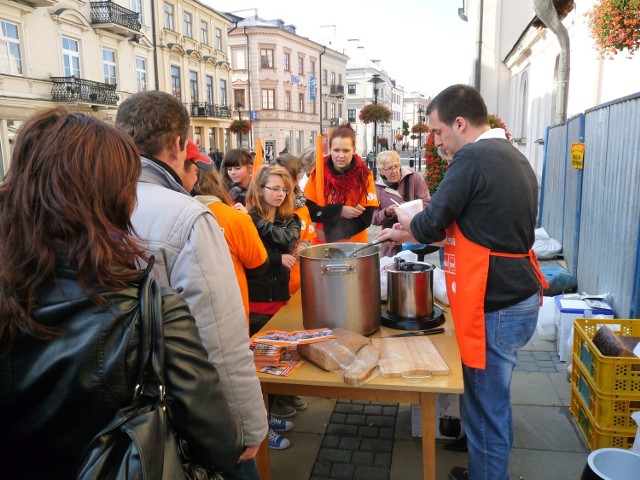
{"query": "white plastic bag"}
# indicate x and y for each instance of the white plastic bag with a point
(545, 247)
(546, 327)
(440, 287)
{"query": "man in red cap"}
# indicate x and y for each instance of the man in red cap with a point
(195, 158)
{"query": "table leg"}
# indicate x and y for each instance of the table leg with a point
(427, 415)
(262, 458)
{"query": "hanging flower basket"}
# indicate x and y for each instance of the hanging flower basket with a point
(436, 167)
(615, 26)
(383, 142)
(373, 113)
(413, 137)
(419, 128)
(240, 126)
(399, 136)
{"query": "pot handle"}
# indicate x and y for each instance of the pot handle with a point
(340, 269)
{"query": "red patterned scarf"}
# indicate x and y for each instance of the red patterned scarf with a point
(353, 182)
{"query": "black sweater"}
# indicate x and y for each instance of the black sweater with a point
(491, 191)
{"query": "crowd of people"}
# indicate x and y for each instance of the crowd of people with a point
(88, 210)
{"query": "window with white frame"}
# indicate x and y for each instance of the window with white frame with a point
(188, 24)
(300, 65)
(312, 67)
(71, 57)
(333, 78)
(218, 39)
(168, 16)
(287, 101)
(204, 32)
(333, 110)
(223, 93)
(10, 55)
(193, 83)
(287, 60)
(136, 6)
(324, 76)
(351, 89)
(301, 102)
(109, 66)
(209, 86)
(268, 99)
(351, 115)
(266, 58)
(238, 59)
(141, 75)
(176, 85)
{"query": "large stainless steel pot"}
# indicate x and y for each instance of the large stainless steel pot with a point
(410, 289)
(341, 292)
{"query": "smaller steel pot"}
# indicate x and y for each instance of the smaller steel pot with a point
(410, 289)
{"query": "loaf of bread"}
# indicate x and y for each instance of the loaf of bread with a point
(362, 366)
(611, 344)
(336, 353)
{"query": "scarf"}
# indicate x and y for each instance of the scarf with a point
(389, 184)
(353, 182)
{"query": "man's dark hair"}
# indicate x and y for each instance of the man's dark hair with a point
(459, 101)
(154, 120)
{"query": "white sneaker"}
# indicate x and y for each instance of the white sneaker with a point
(277, 441)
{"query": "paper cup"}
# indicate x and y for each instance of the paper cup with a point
(412, 208)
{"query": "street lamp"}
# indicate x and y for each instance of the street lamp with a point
(375, 80)
(239, 106)
(420, 119)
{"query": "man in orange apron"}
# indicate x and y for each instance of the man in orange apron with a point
(484, 213)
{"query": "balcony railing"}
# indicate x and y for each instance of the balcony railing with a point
(72, 89)
(208, 110)
(114, 17)
(337, 90)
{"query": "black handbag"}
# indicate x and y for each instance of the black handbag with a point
(139, 443)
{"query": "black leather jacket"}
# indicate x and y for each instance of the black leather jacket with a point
(56, 395)
(279, 237)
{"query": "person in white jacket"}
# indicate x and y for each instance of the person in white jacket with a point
(192, 257)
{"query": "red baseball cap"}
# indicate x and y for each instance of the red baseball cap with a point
(196, 156)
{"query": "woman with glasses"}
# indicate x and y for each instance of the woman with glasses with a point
(397, 184)
(270, 204)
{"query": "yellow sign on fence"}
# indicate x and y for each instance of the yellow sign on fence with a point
(577, 155)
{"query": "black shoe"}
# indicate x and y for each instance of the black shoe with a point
(459, 445)
(459, 473)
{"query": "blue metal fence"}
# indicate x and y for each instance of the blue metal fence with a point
(595, 212)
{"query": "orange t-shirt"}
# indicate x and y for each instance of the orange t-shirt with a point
(246, 247)
(370, 199)
(308, 235)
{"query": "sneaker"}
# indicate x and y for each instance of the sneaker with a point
(457, 473)
(278, 425)
(295, 402)
(277, 441)
(282, 410)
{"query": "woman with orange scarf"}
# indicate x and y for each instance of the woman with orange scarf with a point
(343, 211)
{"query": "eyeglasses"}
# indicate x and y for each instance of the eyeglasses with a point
(391, 168)
(277, 190)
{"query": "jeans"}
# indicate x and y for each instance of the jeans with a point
(485, 406)
(247, 470)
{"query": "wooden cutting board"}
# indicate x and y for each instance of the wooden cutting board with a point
(409, 357)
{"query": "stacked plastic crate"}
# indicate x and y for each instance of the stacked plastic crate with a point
(605, 391)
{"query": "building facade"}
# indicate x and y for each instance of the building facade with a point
(288, 86)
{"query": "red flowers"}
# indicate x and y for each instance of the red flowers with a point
(240, 126)
(615, 26)
(377, 113)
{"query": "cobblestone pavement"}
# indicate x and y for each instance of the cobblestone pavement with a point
(358, 442)
(539, 361)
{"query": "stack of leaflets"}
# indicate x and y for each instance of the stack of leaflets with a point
(274, 352)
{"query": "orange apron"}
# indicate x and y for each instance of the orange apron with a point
(466, 266)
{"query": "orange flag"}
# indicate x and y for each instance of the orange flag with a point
(258, 161)
(320, 201)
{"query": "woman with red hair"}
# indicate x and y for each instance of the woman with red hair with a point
(344, 208)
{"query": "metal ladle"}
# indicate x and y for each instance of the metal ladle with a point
(336, 253)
